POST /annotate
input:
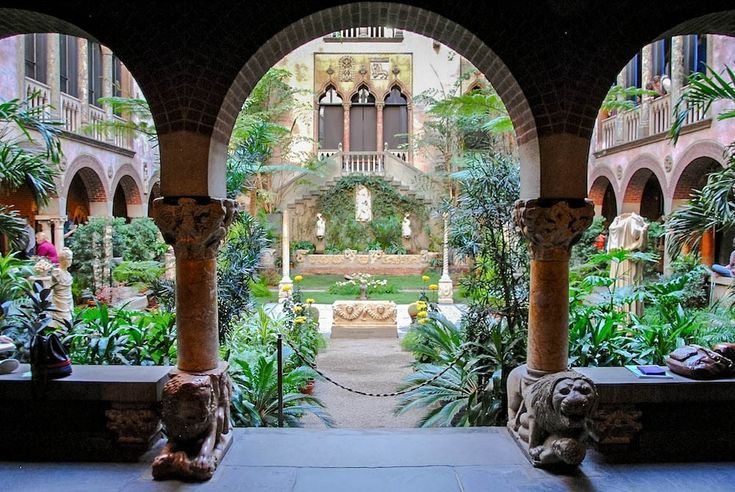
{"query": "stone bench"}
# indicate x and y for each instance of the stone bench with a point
(99, 413)
(662, 419)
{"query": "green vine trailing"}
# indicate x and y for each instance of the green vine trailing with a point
(384, 231)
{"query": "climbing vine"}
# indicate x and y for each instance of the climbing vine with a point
(388, 206)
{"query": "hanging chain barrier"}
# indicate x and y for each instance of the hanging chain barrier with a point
(376, 395)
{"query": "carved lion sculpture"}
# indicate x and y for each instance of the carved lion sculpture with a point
(196, 415)
(558, 408)
(551, 415)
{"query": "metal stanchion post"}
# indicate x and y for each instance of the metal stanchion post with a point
(279, 348)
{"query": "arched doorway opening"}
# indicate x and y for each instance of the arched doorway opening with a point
(126, 201)
(644, 195)
(86, 196)
(602, 194)
(363, 121)
(715, 246)
(152, 195)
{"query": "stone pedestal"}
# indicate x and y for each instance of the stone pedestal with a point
(548, 406)
(446, 288)
(319, 245)
(364, 319)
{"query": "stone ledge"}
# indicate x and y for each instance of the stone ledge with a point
(99, 383)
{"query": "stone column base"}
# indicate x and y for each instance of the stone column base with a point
(549, 415)
(196, 415)
(446, 291)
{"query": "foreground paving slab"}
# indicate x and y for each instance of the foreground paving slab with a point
(400, 460)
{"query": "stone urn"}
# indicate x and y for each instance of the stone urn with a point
(413, 311)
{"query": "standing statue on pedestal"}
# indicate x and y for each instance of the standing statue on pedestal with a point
(61, 281)
(363, 205)
(321, 226)
(629, 232)
(406, 226)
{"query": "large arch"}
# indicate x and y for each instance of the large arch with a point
(644, 195)
(86, 193)
(127, 201)
(603, 194)
(631, 186)
(710, 149)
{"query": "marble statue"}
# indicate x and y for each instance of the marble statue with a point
(321, 226)
(406, 226)
(363, 205)
(61, 281)
(629, 232)
(8, 365)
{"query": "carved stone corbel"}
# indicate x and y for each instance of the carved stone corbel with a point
(553, 226)
(196, 415)
(135, 425)
(550, 418)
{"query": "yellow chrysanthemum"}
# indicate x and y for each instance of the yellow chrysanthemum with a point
(310, 301)
(423, 321)
(298, 278)
(422, 314)
(421, 305)
(299, 320)
(433, 287)
(286, 288)
(425, 278)
(297, 309)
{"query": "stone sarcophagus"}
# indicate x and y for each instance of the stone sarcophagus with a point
(364, 319)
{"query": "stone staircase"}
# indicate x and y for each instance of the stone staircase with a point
(404, 178)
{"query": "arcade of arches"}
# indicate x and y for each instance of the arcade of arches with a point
(536, 68)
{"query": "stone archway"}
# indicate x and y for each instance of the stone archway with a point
(126, 200)
(644, 195)
(86, 194)
(602, 193)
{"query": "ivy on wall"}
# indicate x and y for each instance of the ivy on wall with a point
(388, 206)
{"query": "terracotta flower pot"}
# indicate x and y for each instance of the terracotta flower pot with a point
(309, 388)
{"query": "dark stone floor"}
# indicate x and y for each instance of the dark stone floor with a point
(442, 460)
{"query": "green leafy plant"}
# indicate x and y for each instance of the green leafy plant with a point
(14, 275)
(255, 396)
(28, 317)
(142, 273)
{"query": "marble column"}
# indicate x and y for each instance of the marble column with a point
(285, 258)
(551, 226)
(644, 128)
(446, 289)
(707, 247)
(379, 143)
(53, 74)
(107, 86)
(677, 68)
(619, 130)
(346, 127)
(83, 79)
(536, 389)
(58, 239)
(195, 227)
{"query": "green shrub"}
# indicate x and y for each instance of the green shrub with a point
(352, 287)
(138, 272)
(307, 245)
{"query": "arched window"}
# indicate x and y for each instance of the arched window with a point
(331, 119)
(363, 121)
(395, 119)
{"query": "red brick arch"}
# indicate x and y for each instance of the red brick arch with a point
(697, 160)
(127, 178)
(91, 173)
(598, 189)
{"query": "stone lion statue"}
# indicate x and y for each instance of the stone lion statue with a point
(552, 416)
(196, 415)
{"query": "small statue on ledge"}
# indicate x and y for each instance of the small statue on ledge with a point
(61, 287)
(406, 227)
(321, 226)
(196, 413)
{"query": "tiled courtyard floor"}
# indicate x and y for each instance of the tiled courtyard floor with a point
(441, 460)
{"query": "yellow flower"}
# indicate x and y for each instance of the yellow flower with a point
(298, 278)
(422, 314)
(299, 320)
(421, 305)
(425, 278)
(297, 309)
(423, 321)
(310, 301)
(433, 287)
(286, 288)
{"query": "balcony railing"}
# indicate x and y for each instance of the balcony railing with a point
(652, 117)
(41, 90)
(660, 114)
(97, 115)
(71, 112)
(363, 163)
(401, 154)
(373, 32)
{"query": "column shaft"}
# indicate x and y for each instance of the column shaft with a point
(197, 339)
(379, 143)
(53, 73)
(346, 127)
(83, 80)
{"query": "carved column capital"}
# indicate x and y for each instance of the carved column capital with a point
(379, 105)
(194, 227)
(553, 226)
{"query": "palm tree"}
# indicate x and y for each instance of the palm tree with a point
(714, 205)
(30, 149)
